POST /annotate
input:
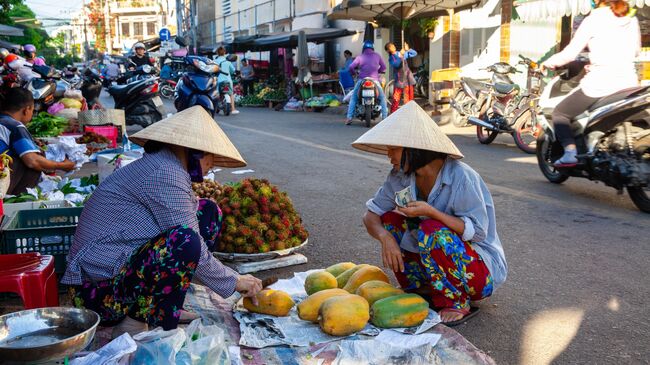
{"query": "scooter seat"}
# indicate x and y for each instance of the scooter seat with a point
(618, 96)
(475, 85)
(502, 88)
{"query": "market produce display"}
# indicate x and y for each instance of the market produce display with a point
(208, 189)
(340, 268)
(375, 290)
(251, 100)
(76, 191)
(344, 315)
(5, 162)
(365, 274)
(343, 278)
(308, 308)
(405, 310)
(272, 302)
(318, 281)
(272, 94)
(94, 142)
(258, 218)
(46, 125)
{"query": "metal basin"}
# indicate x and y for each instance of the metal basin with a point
(45, 334)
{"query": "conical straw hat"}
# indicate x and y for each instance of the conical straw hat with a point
(410, 126)
(193, 128)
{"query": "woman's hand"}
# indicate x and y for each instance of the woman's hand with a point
(249, 286)
(391, 254)
(416, 209)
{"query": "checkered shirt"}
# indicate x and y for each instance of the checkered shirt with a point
(133, 205)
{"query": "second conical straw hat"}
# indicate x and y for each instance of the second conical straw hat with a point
(193, 128)
(410, 126)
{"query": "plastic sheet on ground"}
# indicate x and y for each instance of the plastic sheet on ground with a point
(117, 352)
(374, 352)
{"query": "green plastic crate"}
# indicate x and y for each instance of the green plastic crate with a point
(48, 231)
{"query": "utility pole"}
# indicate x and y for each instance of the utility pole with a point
(86, 47)
(107, 27)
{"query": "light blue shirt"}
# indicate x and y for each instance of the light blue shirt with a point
(226, 67)
(458, 191)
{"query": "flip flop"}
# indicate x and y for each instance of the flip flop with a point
(467, 314)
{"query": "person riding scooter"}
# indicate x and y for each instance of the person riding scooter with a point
(614, 41)
(370, 65)
(140, 57)
(30, 55)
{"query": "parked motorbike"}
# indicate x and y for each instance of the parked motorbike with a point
(44, 87)
(506, 106)
(612, 138)
(139, 99)
(91, 88)
(71, 76)
(223, 101)
(167, 88)
(368, 107)
(422, 81)
(468, 100)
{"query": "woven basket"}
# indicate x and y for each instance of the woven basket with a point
(102, 117)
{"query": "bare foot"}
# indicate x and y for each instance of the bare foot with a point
(451, 315)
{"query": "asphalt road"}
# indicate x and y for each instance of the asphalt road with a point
(578, 253)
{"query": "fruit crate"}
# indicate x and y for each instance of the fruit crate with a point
(48, 231)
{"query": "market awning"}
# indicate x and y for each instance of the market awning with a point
(390, 10)
(243, 43)
(532, 10)
(10, 31)
(290, 39)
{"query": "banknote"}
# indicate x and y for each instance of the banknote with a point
(404, 196)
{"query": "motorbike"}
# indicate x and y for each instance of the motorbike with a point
(198, 84)
(612, 138)
(223, 101)
(422, 81)
(139, 99)
(44, 87)
(91, 88)
(71, 76)
(167, 88)
(468, 100)
(368, 107)
(507, 108)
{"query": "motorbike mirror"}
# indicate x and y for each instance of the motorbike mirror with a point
(180, 41)
(146, 69)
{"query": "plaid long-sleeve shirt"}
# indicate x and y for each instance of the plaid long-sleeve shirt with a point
(133, 205)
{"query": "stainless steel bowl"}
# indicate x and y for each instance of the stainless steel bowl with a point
(45, 334)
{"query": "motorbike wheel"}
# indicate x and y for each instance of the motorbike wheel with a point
(367, 115)
(456, 118)
(166, 91)
(526, 131)
(388, 91)
(547, 153)
(424, 88)
(227, 109)
(641, 195)
(485, 136)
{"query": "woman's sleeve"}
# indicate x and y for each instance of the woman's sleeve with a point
(395, 60)
(169, 197)
(384, 199)
(577, 44)
(469, 205)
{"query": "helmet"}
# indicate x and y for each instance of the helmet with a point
(3, 53)
(168, 61)
(29, 48)
(139, 45)
(368, 44)
(10, 58)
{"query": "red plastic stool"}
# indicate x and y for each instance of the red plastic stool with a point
(30, 275)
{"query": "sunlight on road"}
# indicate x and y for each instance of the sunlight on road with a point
(525, 159)
(613, 304)
(548, 334)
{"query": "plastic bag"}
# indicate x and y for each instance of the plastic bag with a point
(204, 345)
(73, 94)
(116, 352)
(55, 108)
(158, 346)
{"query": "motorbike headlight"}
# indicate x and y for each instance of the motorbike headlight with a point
(206, 67)
(146, 69)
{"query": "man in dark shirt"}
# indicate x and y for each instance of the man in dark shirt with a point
(140, 57)
(15, 139)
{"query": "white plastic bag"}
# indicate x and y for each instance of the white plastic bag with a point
(158, 346)
(116, 352)
(204, 345)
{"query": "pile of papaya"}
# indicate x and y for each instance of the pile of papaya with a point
(344, 297)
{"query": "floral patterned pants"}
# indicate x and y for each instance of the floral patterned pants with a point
(448, 267)
(151, 286)
(397, 96)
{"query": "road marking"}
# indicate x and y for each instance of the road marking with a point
(524, 195)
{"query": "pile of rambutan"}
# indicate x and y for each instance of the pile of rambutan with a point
(208, 189)
(257, 218)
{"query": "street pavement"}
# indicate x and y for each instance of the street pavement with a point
(577, 253)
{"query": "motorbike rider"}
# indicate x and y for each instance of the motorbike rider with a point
(166, 70)
(370, 65)
(226, 70)
(30, 55)
(614, 41)
(140, 57)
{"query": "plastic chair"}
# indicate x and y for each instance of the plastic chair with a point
(31, 276)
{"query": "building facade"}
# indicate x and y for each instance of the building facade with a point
(137, 20)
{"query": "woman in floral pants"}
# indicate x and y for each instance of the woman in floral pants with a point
(152, 301)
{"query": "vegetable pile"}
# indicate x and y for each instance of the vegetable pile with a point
(46, 125)
(5, 161)
(208, 189)
(275, 95)
(251, 100)
(53, 188)
(94, 142)
(258, 218)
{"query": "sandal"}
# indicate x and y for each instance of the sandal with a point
(187, 317)
(467, 313)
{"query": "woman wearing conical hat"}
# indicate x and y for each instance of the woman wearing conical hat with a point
(143, 235)
(433, 216)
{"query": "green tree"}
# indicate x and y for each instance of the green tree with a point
(5, 8)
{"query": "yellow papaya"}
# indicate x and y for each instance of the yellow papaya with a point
(318, 281)
(345, 276)
(273, 302)
(374, 290)
(308, 308)
(365, 274)
(406, 310)
(340, 268)
(344, 315)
